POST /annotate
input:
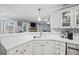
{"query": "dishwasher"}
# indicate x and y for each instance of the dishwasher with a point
(72, 49)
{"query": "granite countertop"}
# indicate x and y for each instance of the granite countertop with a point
(12, 41)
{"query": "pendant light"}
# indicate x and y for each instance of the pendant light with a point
(39, 17)
(48, 22)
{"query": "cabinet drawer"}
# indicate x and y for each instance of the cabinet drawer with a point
(73, 45)
(27, 45)
(62, 52)
(16, 50)
(57, 43)
(37, 42)
(13, 51)
(60, 43)
(59, 52)
(27, 52)
(47, 42)
(60, 47)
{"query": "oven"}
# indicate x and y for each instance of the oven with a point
(72, 49)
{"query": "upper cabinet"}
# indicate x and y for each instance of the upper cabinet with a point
(77, 17)
(56, 19)
(66, 18)
(76, 14)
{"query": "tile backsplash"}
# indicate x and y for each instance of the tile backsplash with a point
(75, 32)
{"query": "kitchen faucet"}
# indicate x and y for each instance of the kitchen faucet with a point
(40, 35)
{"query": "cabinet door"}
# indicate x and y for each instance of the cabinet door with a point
(56, 19)
(60, 48)
(67, 18)
(76, 14)
(48, 48)
(38, 50)
(28, 48)
(15, 51)
(25, 49)
(59, 52)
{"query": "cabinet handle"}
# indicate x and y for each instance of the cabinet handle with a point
(16, 50)
(21, 52)
(73, 48)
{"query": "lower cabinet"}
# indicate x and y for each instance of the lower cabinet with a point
(24, 49)
(60, 48)
(48, 48)
(28, 48)
(42, 47)
(38, 50)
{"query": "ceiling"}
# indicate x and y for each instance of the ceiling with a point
(27, 12)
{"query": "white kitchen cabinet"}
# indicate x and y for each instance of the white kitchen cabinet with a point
(63, 18)
(70, 16)
(38, 50)
(76, 16)
(67, 18)
(60, 48)
(39, 47)
(28, 48)
(24, 49)
(56, 19)
(48, 48)
(44, 47)
(15, 51)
